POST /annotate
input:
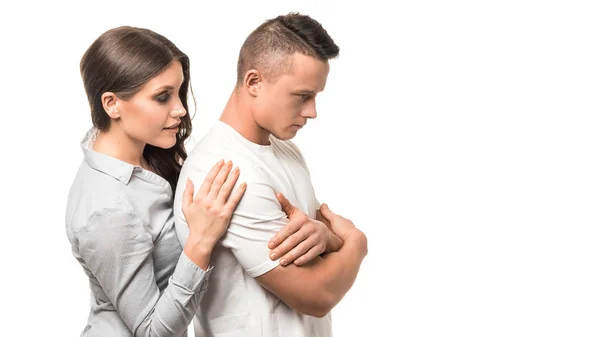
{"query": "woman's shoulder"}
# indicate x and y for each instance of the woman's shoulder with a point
(93, 196)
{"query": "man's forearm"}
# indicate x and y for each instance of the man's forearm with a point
(343, 266)
(315, 288)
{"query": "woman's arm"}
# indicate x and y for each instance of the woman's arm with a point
(118, 251)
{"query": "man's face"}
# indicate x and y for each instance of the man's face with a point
(284, 104)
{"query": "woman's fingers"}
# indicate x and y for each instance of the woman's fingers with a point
(219, 180)
(235, 198)
(210, 177)
(228, 185)
(188, 193)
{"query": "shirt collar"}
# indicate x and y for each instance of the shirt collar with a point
(113, 167)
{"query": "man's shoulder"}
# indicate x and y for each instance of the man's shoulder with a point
(219, 140)
(218, 145)
(285, 144)
(289, 149)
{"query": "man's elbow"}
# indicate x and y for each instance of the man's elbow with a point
(315, 311)
(320, 312)
(319, 307)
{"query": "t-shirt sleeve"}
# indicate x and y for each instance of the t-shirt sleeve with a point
(256, 219)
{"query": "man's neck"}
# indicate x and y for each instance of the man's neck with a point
(238, 115)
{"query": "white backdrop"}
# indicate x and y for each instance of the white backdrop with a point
(462, 137)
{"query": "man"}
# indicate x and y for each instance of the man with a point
(282, 66)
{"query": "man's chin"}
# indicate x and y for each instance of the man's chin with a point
(285, 135)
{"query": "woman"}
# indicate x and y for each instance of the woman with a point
(119, 214)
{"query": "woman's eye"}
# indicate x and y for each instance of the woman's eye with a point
(162, 98)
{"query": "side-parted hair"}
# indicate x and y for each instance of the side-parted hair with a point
(121, 61)
(269, 47)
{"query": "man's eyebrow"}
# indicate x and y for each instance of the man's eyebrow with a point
(305, 92)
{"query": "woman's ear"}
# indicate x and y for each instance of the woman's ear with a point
(109, 103)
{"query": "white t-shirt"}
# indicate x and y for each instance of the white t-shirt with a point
(235, 304)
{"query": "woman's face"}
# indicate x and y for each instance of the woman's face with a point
(152, 115)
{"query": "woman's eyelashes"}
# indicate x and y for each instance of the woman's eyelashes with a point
(163, 97)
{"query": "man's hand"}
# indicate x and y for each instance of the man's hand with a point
(336, 243)
(342, 227)
(302, 239)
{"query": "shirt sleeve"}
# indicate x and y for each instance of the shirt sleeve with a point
(256, 219)
(118, 251)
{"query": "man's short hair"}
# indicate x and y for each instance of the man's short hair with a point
(269, 47)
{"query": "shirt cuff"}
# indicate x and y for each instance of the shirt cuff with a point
(188, 275)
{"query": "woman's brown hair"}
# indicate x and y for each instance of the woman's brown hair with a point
(121, 61)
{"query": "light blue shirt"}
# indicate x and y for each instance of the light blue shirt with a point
(119, 221)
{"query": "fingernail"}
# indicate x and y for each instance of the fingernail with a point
(220, 163)
(325, 206)
(243, 185)
(271, 245)
(283, 262)
(236, 170)
(273, 256)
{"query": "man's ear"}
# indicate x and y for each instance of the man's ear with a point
(253, 81)
(110, 104)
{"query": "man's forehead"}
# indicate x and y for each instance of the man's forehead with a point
(301, 62)
(310, 75)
